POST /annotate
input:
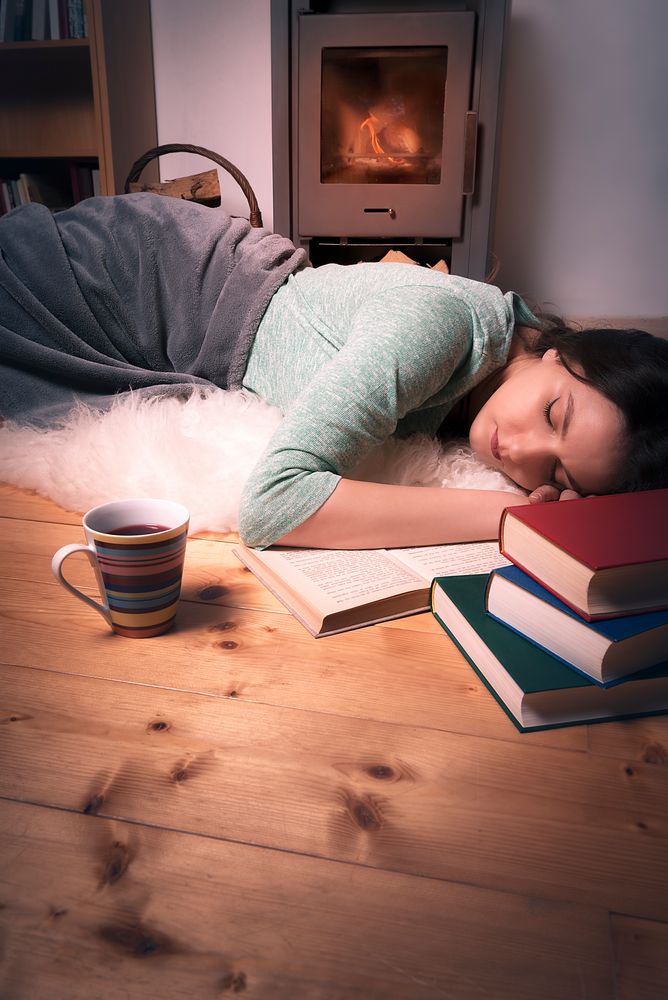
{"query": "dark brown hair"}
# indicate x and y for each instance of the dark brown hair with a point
(630, 368)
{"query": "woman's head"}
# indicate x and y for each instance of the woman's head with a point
(602, 425)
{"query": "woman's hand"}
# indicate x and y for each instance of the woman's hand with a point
(546, 492)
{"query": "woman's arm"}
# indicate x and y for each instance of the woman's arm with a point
(403, 348)
(360, 515)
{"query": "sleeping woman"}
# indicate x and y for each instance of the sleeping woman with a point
(159, 295)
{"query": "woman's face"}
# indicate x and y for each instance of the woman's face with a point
(544, 426)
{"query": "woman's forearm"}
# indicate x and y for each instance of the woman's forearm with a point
(361, 515)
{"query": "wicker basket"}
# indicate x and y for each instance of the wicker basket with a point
(255, 216)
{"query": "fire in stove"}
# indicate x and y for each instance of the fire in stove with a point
(394, 143)
(382, 115)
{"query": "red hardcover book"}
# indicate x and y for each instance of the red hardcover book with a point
(602, 556)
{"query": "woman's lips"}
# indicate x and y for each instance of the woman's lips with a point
(494, 445)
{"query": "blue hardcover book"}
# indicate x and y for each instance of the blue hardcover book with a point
(607, 651)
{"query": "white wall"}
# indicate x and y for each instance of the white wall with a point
(213, 89)
(582, 212)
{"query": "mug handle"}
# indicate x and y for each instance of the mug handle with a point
(57, 568)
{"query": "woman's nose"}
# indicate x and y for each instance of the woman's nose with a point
(527, 450)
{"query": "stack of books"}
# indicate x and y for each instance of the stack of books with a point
(576, 628)
(59, 185)
(42, 20)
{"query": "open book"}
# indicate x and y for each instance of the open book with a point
(332, 590)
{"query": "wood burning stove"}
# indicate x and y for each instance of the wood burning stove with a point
(379, 111)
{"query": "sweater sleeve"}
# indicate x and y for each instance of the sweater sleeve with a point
(404, 348)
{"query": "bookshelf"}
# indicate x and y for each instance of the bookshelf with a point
(81, 101)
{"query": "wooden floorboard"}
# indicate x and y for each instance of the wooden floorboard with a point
(150, 913)
(545, 822)
(378, 673)
(236, 807)
(640, 950)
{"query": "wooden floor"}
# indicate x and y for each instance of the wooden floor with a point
(237, 808)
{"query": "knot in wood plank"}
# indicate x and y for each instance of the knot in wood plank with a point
(157, 726)
(383, 772)
(94, 805)
(117, 863)
(233, 981)
(138, 940)
(654, 753)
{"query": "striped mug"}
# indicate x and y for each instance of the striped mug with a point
(136, 549)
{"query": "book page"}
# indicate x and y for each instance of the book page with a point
(342, 578)
(460, 559)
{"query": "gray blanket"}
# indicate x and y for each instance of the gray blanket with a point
(130, 292)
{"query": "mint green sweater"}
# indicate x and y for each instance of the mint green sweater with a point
(352, 355)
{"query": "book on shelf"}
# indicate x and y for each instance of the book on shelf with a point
(49, 187)
(24, 191)
(76, 19)
(604, 556)
(81, 179)
(35, 20)
(39, 28)
(22, 21)
(63, 19)
(7, 20)
(10, 194)
(608, 651)
(331, 590)
(57, 186)
(535, 689)
(55, 28)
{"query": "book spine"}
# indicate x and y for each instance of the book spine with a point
(4, 4)
(502, 524)
(579, 611)
(54, 20)
(11, 193)
(39, 20)
(22, 20)
(62, 19)
(75, 18)
(24, 194)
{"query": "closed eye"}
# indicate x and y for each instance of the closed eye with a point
(547, 411)
(552, 473)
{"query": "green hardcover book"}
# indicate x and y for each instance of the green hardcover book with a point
(535, 689)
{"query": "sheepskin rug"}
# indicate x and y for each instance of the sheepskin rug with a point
(198, 452)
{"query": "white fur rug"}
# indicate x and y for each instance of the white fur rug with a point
(198, 452)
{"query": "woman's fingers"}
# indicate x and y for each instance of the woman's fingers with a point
(544, 493)
(547, 492)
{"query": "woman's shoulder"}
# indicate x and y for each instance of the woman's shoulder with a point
(391, 292)
(388, 275)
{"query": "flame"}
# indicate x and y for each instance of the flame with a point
(371, 123)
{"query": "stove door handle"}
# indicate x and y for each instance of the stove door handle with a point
(470, 149)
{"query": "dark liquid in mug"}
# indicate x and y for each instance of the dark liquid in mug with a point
(139, 529)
